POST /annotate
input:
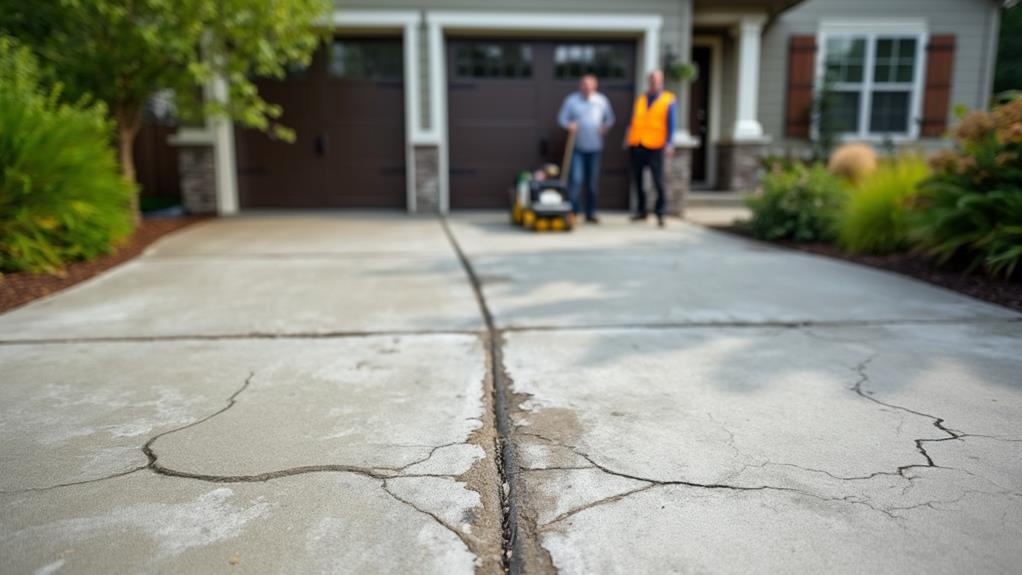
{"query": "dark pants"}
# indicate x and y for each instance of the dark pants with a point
(585, 169)
(642, 157)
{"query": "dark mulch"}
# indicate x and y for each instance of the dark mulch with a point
(1002, 292)
(20, 288)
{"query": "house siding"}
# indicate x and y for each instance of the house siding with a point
(973, 22)
(675, 31)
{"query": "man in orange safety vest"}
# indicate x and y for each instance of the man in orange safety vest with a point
(649, 140)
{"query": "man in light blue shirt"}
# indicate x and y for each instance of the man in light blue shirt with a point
(588, 114)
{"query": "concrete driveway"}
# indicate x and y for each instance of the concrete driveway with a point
(376, 393)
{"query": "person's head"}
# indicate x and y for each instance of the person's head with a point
(587, 85)
(656, 81)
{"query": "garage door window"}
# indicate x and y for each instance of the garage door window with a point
(366, 59)
(493, 60)
(576, 60)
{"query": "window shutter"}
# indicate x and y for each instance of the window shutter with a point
(940, 58)
(801, 74)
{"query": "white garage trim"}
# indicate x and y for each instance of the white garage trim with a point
(646, 27)
(407, 21)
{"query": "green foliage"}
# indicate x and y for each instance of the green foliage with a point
(122, 51)
(61, 196)
(798, 203)
(876, 218)
(971, 208)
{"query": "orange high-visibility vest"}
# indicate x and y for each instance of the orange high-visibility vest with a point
(649, 124)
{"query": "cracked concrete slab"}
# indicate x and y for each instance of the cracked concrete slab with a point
(374, 451)
(623, 274)
(315, 523)
(160, 297)
(336, 234)
(790, 449)
(678, 529)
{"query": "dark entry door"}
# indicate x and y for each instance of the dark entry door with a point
(347, 110)
(699, 112)
(503, 99)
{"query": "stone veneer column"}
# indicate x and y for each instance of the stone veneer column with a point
(678, 173)
(197, 170)
(427, 179)
(739, 166)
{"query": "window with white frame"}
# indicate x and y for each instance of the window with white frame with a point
(875, 80)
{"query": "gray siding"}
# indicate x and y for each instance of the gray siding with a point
(973, 22)
(675, 30)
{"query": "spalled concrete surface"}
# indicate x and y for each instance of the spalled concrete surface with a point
(317, 393)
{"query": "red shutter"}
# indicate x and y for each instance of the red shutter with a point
(940, 61)
(801, 74)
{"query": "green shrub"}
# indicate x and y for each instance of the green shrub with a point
(971, 208)
(876, 218)
(798, 203)
(61, 195)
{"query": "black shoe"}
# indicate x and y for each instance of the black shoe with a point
(592, 220)
(639, 218)
(660, 220)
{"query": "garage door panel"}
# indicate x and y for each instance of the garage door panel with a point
(347, 110)
(363, 143)
(485, 101)
(483, 144)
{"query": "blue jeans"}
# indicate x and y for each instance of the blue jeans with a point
(585, 169)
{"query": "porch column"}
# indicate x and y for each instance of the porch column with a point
(747, 126)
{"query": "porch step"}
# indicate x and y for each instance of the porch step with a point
(715, 199)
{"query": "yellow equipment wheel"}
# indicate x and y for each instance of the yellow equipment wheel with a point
(557, 225)
(542, 225)
(528, 219)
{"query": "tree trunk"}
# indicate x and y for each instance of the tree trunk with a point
(128, 123)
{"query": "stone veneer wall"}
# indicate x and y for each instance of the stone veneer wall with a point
(197, 169)
(427, 179)
(678, 176)
(738, 166)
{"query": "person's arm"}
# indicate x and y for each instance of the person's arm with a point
(564, 116)
(672, 114)
(608, 117)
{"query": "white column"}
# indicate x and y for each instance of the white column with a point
(749, 34)
(223, 153)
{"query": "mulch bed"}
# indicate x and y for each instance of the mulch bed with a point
(1007, 293)
(20, 288)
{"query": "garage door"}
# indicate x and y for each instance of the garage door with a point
(503, 98)
(347, 109)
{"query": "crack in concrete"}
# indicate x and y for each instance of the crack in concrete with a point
(782, 324)
(710, 486)
(458, 533)
(513, 521)
(75, 483)
(606, 500)
(238, 336)
(512, 329)
(938, 422)
(901, 471)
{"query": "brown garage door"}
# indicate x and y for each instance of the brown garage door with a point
(503, 99)
(347, 109)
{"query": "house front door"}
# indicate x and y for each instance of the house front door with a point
(699, 114)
